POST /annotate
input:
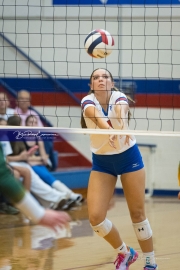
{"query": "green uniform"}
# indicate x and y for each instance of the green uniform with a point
(9, 186)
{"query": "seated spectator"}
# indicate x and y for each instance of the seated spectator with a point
(48, 145)
(19, 172)
(3, 122)
(39, 161)
(22, 109)
(26, 203)
(5, 111)
(47, 196)
(5, 205)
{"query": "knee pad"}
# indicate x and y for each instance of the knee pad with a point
(143, 230)
(103, 228)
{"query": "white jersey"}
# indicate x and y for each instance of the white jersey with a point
(6, 147)
(99, 144)
(9, 112)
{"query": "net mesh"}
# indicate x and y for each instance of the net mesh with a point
(42, 51)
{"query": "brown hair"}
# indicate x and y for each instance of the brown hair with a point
(14, 120)
(83, 123)
(17, 146)
(30, 116)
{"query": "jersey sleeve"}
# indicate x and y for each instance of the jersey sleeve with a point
(121, 98)
(87, 102)
(7, 149)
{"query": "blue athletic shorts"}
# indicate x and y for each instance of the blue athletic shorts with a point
(118, 164)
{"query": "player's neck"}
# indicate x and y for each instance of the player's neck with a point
(103, 98)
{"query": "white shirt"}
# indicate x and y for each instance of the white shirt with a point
(6, 147)
(9, 112)
(99, 144)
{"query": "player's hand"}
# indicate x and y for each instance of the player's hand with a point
(127, 139)
(112, 139)
(54, 219)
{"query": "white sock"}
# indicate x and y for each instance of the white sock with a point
(122, 249)
(149, 258)
(76, 196)
(62, 188)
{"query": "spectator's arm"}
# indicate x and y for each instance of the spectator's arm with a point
(42, 151)
(21, 157)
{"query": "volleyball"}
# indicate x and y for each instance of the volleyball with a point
(99, 43)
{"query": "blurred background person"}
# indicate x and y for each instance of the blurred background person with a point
(40, 160)
(47, 196)
(5, 111)
(24, 201)
(23, 107)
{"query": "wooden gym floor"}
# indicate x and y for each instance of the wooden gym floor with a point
(27, 247)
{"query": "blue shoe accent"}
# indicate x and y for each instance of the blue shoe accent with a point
(123, 261)
(133, 257)
(151, 267)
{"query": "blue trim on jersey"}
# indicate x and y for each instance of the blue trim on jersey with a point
(87, 102)
(105, 113)
(121, 99)
(118, 164)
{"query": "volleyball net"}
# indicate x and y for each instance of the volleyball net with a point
(42, 51)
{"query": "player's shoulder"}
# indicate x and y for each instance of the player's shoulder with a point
(118, 96)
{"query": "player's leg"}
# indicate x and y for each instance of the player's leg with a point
(100, 191)
(134, 190)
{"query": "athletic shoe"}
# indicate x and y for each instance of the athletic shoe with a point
(151, 267)
(58, 205)
(123, 261)
(68, 205)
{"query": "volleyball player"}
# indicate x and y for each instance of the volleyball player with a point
(106, 108)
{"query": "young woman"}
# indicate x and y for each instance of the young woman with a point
(106, 108)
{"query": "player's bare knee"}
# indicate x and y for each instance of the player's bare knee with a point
(102, 229)
(95, 219)
(137, 215)
(143, 230)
